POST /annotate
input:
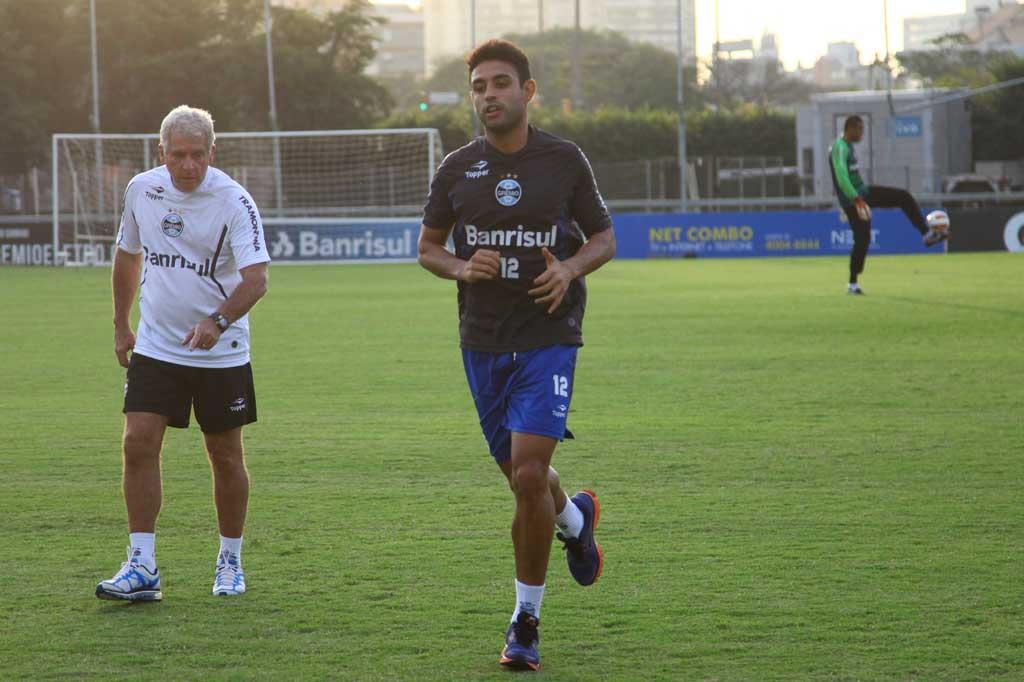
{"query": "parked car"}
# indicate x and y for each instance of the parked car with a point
(969, 183)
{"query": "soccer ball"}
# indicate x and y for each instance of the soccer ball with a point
(938, 221)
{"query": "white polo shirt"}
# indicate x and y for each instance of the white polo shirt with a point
(193, 246)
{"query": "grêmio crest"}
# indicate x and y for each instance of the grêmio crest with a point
(172, 224)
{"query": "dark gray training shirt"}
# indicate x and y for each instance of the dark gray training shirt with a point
(543, 195)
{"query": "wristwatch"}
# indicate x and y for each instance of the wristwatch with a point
(221, 322)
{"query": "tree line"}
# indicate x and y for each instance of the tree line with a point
(153, 56)
(211, 53)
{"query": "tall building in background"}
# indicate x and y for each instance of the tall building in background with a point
(844, 53)
(448, 30)
(652, 21)
(400, 38)
(1000, 29)
(919, 32)
(400, 42)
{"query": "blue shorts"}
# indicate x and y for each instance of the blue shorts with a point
(523, 392)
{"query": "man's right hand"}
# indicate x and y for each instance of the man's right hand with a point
(483, 264)
(863, 210)
(124, 341)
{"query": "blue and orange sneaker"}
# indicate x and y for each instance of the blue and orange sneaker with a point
(520, 652)
(134, 582)
(583, 554)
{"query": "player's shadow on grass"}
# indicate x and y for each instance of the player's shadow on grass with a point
(947, 304)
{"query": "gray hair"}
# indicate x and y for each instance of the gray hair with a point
(190, 121)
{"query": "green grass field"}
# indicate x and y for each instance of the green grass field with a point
(796, 484)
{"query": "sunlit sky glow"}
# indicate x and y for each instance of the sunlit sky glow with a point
(805, 27)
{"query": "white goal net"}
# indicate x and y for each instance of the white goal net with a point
(341, 174)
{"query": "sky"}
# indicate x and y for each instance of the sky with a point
(805, 27)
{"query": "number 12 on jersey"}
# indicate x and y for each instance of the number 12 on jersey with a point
(509, 268)
(561, 385)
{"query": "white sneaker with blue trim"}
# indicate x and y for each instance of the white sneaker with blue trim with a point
(134, 582)
(229, 579)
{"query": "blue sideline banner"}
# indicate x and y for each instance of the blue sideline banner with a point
(639, 235)
(781, 233)
(333, 241)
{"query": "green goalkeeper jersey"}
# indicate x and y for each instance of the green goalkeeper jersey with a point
(845, 172)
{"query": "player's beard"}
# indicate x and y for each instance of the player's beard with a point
(511, 120)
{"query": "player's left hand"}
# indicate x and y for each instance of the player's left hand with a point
(863, 210)
(554, 282)
(203, 336)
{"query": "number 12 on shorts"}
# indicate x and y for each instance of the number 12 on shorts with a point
(561, 385)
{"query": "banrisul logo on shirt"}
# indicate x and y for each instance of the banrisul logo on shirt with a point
(173, 224)
(509, 191)
(519, 237)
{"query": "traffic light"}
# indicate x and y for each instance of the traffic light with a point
(424, 106)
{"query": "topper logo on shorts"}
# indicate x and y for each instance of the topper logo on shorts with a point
(173, 224)
(508, 192)
(237, 405)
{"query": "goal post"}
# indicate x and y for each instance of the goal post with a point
(338, 174)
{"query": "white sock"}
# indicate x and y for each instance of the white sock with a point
(854, 286)
(570, 521)
(145, 543)
(233, 545)
(528, 598)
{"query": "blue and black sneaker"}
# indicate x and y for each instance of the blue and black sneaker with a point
(583, 554)
(520, 652)
(134, 582)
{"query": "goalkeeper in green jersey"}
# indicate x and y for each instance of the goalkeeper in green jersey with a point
(857, 199)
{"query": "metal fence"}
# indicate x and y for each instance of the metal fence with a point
(714, 183)
(708, 177)
(25, 193)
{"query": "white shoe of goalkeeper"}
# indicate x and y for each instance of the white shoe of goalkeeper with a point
(230, 578)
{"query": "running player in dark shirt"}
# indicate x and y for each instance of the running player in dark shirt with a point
(857, 199)
(528, 223)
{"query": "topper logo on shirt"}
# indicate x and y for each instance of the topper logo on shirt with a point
(172, 224)
(157, 194)
(509, 191)
(478, 170)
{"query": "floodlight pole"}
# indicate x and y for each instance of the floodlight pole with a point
(680, 102)
(575, 88)
(98, 144)
(95, 68)
(472, 46)
(888, 69)
(714, 56)
(268, 24)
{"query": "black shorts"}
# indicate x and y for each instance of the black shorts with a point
(224, 397)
